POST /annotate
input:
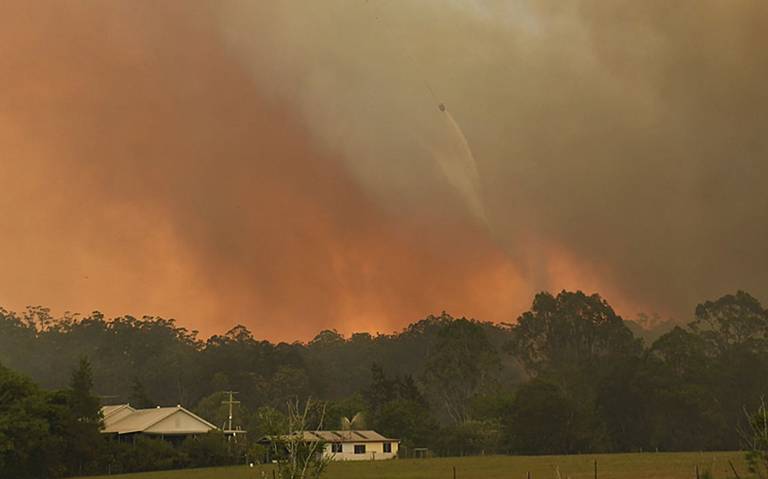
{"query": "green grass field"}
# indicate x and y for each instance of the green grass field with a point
(610, 466)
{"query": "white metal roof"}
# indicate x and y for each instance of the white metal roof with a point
(342, 436)
(123, 419)
(107, 411)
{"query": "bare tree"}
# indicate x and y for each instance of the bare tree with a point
(756, 441)
(302, 454)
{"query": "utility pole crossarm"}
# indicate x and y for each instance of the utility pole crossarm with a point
(230, 402)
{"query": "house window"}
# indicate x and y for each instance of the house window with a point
(359, 448)
(336, 447)
(388, 447)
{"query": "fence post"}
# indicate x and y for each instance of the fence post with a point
(454, 472)
(529, 474)
(733, 468)
(697, 471)
(595, 468)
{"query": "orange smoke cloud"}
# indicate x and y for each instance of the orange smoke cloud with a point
(238, 163)
(147, 174)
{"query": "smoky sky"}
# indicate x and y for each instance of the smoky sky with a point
(283, 164)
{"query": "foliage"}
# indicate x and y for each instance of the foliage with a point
(733, 321)
(82, 432)
(568, 332)
(209, 450)
(47, 434)
(350, 408)
(461, 365)
(139, 398)
(145, 454)
(397, 409)
(470, 437)
(268, 421)
(567, 376)
(24, 431)
(542, 420)
(408, 421)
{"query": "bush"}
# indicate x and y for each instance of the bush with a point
(208, 450)
(543, 420)
(470, 438)
(151, 454)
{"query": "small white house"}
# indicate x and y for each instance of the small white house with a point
(354, 445)
(168, 422)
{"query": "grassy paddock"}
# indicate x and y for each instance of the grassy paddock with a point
(610, 466)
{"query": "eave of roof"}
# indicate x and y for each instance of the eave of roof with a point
(345, 437)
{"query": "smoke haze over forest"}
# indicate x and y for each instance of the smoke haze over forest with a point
(278, 164)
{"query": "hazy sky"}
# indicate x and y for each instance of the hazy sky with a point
(285, 165)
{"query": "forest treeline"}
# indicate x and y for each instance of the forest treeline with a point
(568, 376)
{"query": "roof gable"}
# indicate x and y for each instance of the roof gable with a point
(179, 422)
(155, 421)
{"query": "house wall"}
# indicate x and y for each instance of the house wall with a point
(178, 423)
(373, 451)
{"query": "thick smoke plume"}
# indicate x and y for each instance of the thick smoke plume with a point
(283, 164)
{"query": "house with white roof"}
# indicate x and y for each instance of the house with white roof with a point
(166, 422)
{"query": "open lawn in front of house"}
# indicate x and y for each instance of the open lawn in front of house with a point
(610, 466)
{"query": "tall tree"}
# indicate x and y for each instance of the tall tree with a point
(732, 321)
(734, 332)
(568, 332)
(462, 364)
(85, 405)
(27, 448)
(84, 433)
